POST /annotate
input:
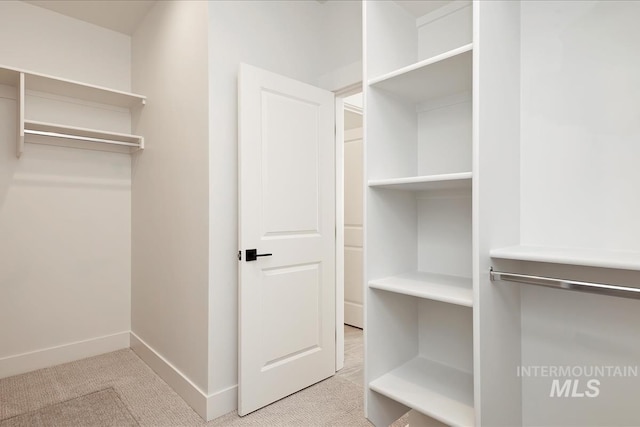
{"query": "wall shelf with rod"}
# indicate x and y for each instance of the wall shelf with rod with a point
(62, 112)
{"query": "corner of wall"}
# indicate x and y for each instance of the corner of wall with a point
(342, 77)
(208, 406)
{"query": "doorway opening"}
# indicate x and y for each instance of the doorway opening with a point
(349, 229)
(353, 211)
(349, 235)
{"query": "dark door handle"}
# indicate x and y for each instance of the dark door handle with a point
(252, 255)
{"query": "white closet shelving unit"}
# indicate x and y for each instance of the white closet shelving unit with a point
(503, 135)
(419, 298)
(63, 112)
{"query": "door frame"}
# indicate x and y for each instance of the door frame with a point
(340, 94)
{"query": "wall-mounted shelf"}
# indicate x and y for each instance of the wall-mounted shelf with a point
(431, 388)
(427, 182)
(70, 88)
(85, 92)
(438, 287)
(70, 136)
(573, 256)
(61, 134)
(437, 77)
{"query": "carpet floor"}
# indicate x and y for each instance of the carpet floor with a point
(119, 386)
(102, 408)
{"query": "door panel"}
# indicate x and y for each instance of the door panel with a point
(283, 284)
(353, 213)
(289, 149)
(287, 210)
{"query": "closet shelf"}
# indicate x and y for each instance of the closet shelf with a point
(426, 182)
(436, 77)
(37, 132)
(431, 388)
(438, 287)
(623, 260)
(55, 134)
(69, 88)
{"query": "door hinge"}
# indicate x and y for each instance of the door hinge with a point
(239, 255)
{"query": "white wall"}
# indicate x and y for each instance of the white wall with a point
(341, 35)
(65, 214)
(166, 240)
(170, 188)
(579, 147)
(39, 40)
(290, 38)
(580, 124)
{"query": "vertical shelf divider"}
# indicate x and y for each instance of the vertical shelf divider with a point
(20, 100)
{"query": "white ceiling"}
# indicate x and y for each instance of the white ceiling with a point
(124, 16)
(118, 15)
(419, 8)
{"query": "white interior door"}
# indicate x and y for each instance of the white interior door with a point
(353, 219)
(287, 214)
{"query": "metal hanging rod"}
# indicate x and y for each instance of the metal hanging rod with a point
(79, 138)
(572, 285)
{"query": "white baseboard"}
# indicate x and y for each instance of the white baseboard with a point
(27, 362)
(353, 314)
(182, 385)
(207, 406)
(222, 402)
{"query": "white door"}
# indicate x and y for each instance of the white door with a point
(353, 213)
(287, 214)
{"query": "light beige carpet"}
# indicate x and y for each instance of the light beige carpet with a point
(102, 408)
(150, 400)
(333, 402)
(337, 401)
